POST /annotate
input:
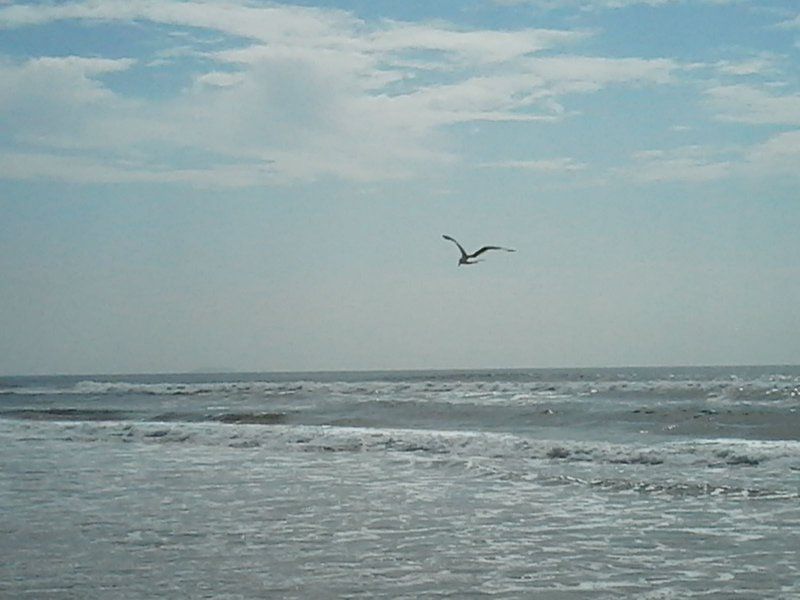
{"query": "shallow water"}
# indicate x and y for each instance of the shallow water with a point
(635, 483)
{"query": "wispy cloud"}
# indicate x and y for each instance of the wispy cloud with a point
(546, 165)
(603, 4)
(686, 164)
(233, 18)
(778, 154)
(749, 104)
(80, 73)
(298, 93)
(58, 98)
(763, 64)
(93, 169)
(791, 23)
(311, 92)
(484, 47)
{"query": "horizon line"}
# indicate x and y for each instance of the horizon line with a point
(402, 370)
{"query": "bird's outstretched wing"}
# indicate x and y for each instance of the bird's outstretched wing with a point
(485, 248)
(463, 252)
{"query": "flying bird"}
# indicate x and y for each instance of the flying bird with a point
(469, 259)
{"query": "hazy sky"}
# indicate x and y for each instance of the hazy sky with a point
(256, 185)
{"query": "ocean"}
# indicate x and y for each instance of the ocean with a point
(653, 483)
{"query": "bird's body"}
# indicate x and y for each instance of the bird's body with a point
(469, 259)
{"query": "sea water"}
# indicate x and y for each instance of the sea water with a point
(564, 484)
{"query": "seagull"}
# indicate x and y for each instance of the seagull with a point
(466, 259)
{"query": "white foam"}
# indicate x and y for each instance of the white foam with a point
(762, 390)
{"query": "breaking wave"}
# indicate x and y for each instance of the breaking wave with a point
(765, 389)
(609, 466)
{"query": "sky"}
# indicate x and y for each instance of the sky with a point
(263, 186)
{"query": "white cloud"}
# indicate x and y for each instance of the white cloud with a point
(313, 92)
(793, 23)
(85, 66)
(749, 104)
(590, 72)
(234, 18)
(220, 79)
(58, 97)
(42, 75)
(82, 169)
(758, 65)
(471, 47)
(547, 165)
(602, 4)
(778, 154)
(312, 96)
(269, 123)
(687, 164)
